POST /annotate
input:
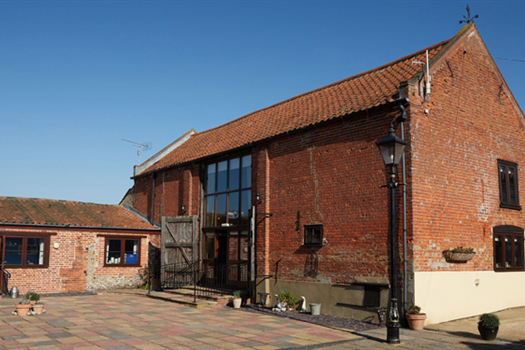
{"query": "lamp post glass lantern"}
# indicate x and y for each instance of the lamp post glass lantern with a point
(392, 149)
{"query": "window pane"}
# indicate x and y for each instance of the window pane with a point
(246, 174)
(518, 259)
(132, 251)
(35, 251)
(233, 208)
(13, 251)
(503, 181)
(210, 211)
(221, 209)
(222, 175)
(246, 202)
(113, 251)
(233, 246)
(210, 181)
(316, 235)
(244, 245)
(508, 252)
(498, 251)
(234, 174)
(210, 246)
(512, 184)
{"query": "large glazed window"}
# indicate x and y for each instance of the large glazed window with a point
(26, 251)
(228, 191)
(508, 248)
(508, 185)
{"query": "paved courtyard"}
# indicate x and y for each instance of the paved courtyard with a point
(118, 321)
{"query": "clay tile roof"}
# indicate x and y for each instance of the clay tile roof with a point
(37, 211)
(357, 93)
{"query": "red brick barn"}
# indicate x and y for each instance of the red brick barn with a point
(53, 246)
(302, 178)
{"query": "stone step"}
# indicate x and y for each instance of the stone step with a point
(183, 299)
(220, 297)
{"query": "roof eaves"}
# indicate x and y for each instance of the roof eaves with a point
(271, 137)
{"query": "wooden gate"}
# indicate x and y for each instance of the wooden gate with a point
(179, 250)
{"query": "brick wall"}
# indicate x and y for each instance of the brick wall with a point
(472, 122)
(330, 176)
(77, 265)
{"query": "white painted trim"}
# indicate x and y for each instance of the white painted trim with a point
(137, 169)
(446, 296)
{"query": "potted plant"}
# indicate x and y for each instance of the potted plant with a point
(287, 299)
(488, 326)
(416, 319)
(237, 300)
(23, 307)
(459, 254)
(33, 297)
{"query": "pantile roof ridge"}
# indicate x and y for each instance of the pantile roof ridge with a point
(67, 213)
(369, 89)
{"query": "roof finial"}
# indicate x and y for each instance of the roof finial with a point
(467, 19)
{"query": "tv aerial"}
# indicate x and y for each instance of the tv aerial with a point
(141, 146)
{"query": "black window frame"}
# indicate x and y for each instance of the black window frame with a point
(499, 233)
(239, 192)
(23, 250)
(123, 240)
(308, 236)
(505, 188)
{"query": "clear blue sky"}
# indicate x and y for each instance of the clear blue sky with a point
(76, 77)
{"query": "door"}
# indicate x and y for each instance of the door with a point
(226, 258)
(178, 250)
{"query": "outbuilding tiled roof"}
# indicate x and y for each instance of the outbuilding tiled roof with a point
(357, 93)
(37, 211)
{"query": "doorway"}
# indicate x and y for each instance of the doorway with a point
(226, 258)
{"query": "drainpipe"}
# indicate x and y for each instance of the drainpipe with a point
(405, 267)
(402, 118)
(152, 219)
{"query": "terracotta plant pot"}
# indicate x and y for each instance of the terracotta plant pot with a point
(416, 322)
(488, 333)
(22, 309)
(237, 303)
(38, 308)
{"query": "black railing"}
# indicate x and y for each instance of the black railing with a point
(206, 281)
(177, 275)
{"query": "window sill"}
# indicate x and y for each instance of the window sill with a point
(510, 206)
(25, 267)
(121, 265)
(311, 246)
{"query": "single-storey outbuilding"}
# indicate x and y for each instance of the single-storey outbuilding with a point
(55, 246)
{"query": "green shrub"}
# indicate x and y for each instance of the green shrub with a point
(237, 293)
(32, 296)
(489, 320)
(287, 296)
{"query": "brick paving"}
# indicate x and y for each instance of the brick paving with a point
(119, 321)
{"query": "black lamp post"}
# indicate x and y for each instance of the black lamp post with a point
(392, 149)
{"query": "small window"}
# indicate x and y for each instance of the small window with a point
(122, 252)
(313, 234)
(508, 248)
(508, 185)
(26, 251)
